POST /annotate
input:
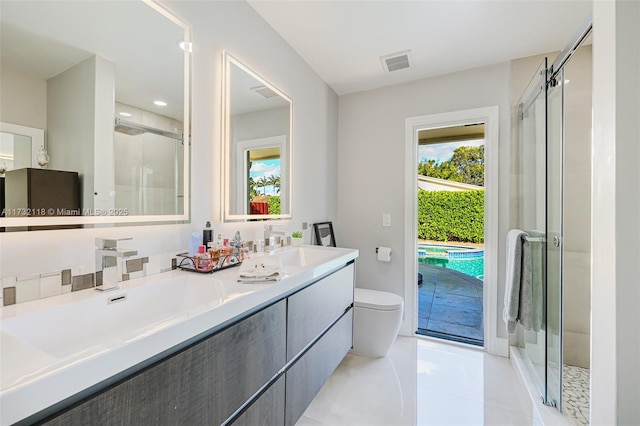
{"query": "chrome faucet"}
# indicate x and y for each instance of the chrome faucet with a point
(109, 260)
(269, 233)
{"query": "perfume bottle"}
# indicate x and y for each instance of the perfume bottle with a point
(202, 260)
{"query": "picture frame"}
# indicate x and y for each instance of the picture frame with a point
(324, 234)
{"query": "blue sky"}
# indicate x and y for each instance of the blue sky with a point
(265, 168)
(443, 151)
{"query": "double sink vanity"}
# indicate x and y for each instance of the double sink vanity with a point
(175, 347)
(181, 348)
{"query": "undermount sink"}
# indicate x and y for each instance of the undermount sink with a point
(124, 315)
(304, 256)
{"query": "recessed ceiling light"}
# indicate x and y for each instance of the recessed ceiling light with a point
(160, 103)
(187, 46)
(125, 114)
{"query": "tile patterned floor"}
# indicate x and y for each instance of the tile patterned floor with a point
(422, 382)
(575, 393)
(450, 302)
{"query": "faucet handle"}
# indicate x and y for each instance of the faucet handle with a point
(110, 243)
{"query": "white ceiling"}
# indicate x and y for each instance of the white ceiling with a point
(343, 40)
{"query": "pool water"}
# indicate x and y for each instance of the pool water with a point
(471, 264)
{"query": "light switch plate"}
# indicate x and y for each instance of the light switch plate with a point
(386, 220)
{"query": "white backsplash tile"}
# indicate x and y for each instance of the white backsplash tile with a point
(8, 282)
(134, 275)
(27, 288)
(50, 285)
(152, 268)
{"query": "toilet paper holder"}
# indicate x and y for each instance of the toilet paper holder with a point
(385, 255)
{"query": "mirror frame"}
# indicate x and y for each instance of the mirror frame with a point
(228, 60)
(138, 219)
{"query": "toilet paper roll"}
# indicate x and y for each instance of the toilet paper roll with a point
(384, 254)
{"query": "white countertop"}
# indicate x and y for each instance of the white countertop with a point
(53, 348)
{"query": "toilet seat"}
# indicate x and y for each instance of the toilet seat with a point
(379, 300)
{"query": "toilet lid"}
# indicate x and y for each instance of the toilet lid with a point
(374, 299)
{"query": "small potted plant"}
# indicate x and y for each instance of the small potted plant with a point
(296, 239)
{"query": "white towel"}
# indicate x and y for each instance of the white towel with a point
(260, 269)
(511, 309)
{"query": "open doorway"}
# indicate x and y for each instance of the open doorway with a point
(494, 342)
(450, 232)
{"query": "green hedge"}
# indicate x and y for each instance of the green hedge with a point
(274, 205)
(451, 216)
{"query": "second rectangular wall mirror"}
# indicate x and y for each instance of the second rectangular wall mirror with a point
(257, 123)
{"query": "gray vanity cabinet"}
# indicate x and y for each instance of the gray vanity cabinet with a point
(311, 371)
(315, 308)
(267, 410)
(263, 369)
(202, 385)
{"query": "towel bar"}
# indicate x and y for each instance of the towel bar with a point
(535, 239)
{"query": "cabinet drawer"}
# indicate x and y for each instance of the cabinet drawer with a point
(204, 384)
(311, 371)
(268, 410)
(312, 310)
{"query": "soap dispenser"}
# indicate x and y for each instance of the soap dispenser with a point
(207, 235)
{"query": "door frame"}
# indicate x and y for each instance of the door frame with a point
(490, 117)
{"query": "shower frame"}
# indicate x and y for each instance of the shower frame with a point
(549, 81)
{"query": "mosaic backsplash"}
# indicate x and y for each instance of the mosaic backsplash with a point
(25, 288)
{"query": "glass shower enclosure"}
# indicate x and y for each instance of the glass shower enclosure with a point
(540, 185)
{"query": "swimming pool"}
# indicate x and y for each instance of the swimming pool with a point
(468, 260)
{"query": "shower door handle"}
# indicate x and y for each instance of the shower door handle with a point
(556, 241)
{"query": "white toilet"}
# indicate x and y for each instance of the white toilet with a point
(376, 321)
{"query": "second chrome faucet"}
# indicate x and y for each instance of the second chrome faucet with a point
(109, 261)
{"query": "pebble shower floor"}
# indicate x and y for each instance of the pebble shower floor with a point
(575, 393)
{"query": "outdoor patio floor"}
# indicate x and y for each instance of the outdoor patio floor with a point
(450, 303)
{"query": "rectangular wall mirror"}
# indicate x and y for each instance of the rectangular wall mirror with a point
(112, 102)
(257, 146)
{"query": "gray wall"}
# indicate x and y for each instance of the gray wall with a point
(23, 99)
(372, 160)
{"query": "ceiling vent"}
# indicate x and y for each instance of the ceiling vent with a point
(264, 91)
(396, 61)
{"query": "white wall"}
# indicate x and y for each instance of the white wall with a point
(615, 209)
(260, 124)
(576, 293)
(71, 106)
(225, 25)
(216, 26)
(372, 156)
(24, 98)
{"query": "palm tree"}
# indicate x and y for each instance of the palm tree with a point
(253, 192)
(262, 183)
(276, 184)
(271, 181)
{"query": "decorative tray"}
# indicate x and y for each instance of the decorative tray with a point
(186, 264)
